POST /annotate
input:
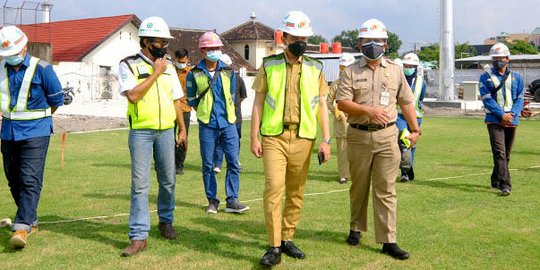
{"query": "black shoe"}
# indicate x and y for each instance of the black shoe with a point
(167, 231)
(354, 238)
(271, 257)
(411, 174)
(403, 178)
(393, 250)
(179, 171)
(496, 186)
(290, 249)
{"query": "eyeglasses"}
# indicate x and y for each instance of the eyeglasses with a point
(161, 42)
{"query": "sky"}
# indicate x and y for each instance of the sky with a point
(414, 21)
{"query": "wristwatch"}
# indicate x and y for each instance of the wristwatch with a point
(327, 140)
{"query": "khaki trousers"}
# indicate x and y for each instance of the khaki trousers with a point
(342, 159)
(374, 159)
(286, 163)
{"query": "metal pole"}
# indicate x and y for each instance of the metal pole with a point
(446, 44)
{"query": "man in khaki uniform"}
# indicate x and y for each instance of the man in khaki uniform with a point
(290, 98)
(369, 92)
(340, 121)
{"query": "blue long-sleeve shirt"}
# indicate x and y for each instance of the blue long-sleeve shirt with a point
(487, 89)
(45, 91)
(218, 117)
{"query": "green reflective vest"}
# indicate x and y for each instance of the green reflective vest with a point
(206, 101)
(418, 83)
(20, 110)
(504, 100)
(275, 67)
(156, 109)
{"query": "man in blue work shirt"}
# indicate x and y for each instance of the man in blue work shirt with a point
(30, 93)
(210, 88)
(502, 94)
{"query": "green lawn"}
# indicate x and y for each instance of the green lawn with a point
(448, 218)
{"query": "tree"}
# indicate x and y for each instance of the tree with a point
(521, 47)
(463, 50)
(394, 43)
(348, 38)
(317, 39)
(429, 53)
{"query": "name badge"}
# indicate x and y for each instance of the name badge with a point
(385, 98)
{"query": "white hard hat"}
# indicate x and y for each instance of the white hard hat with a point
(12, 40)
(372, 28)
(346, 59)
(154, 27)
(411, 59)
(499, 50)
(226, 59)
(398, 62)
(297, 23)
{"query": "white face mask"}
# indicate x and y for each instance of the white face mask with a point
(180, 65)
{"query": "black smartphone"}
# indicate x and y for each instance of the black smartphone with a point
(320, 155)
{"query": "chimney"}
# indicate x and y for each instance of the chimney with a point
(46, 7)
(253, 17)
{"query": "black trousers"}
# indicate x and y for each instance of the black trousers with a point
(180, 152)
(501, 140)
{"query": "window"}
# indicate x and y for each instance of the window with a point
(246, 52)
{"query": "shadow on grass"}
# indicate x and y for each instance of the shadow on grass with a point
(453, 185)
(5, 235)
(113, 165)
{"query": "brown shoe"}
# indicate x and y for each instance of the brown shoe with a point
(19, 239)
(33, 229)
(134, 248)
(167, 230)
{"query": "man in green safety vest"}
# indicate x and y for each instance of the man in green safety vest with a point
(149, 82)
(290, 99)
(413, 74)
(211, 87)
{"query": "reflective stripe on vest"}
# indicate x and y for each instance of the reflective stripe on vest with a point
(20, 111)
(206, 104)
(504, 100)
(156, 109)
(418, 83)
(274, 105)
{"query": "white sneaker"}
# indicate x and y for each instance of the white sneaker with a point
(342, 180)
(217, 169)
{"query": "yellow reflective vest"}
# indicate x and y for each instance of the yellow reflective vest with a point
(275, 67)
(206, 97)
(418, 83)
(156, 109)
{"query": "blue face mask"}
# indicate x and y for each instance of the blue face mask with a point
(409, 71)
(213, 56)
(14, 60)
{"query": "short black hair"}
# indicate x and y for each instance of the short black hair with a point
(181, 53)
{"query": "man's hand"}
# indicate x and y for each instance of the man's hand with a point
(507, 119)
(182, 139)
(325, 149)
(379, 116)
(413, 138)
(256, 148)
(160, 65)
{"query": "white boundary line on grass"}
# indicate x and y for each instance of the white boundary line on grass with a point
(260, 199)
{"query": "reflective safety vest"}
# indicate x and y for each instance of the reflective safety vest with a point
(156, 109)
(206, 97)
(20, 110)
(504, 100)
(274, 105)
(418, 83)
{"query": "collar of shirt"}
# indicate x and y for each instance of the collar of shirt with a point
(202, 65)
(25, 62)
(383, 63)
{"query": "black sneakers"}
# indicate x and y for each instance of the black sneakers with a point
(271, 257)
(354, 238)
(236, 207)
(394, 251)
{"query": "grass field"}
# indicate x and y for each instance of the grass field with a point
(448, 218)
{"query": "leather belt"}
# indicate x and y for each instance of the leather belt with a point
(291, 127)
(371, 127)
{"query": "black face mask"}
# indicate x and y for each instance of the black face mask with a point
(373, 50)
(157, 52)
(499, 64)
(298, 48)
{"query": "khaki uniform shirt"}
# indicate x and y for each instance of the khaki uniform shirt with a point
(182, 74)
(292, 91)
(340, 119)
(365, 86)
